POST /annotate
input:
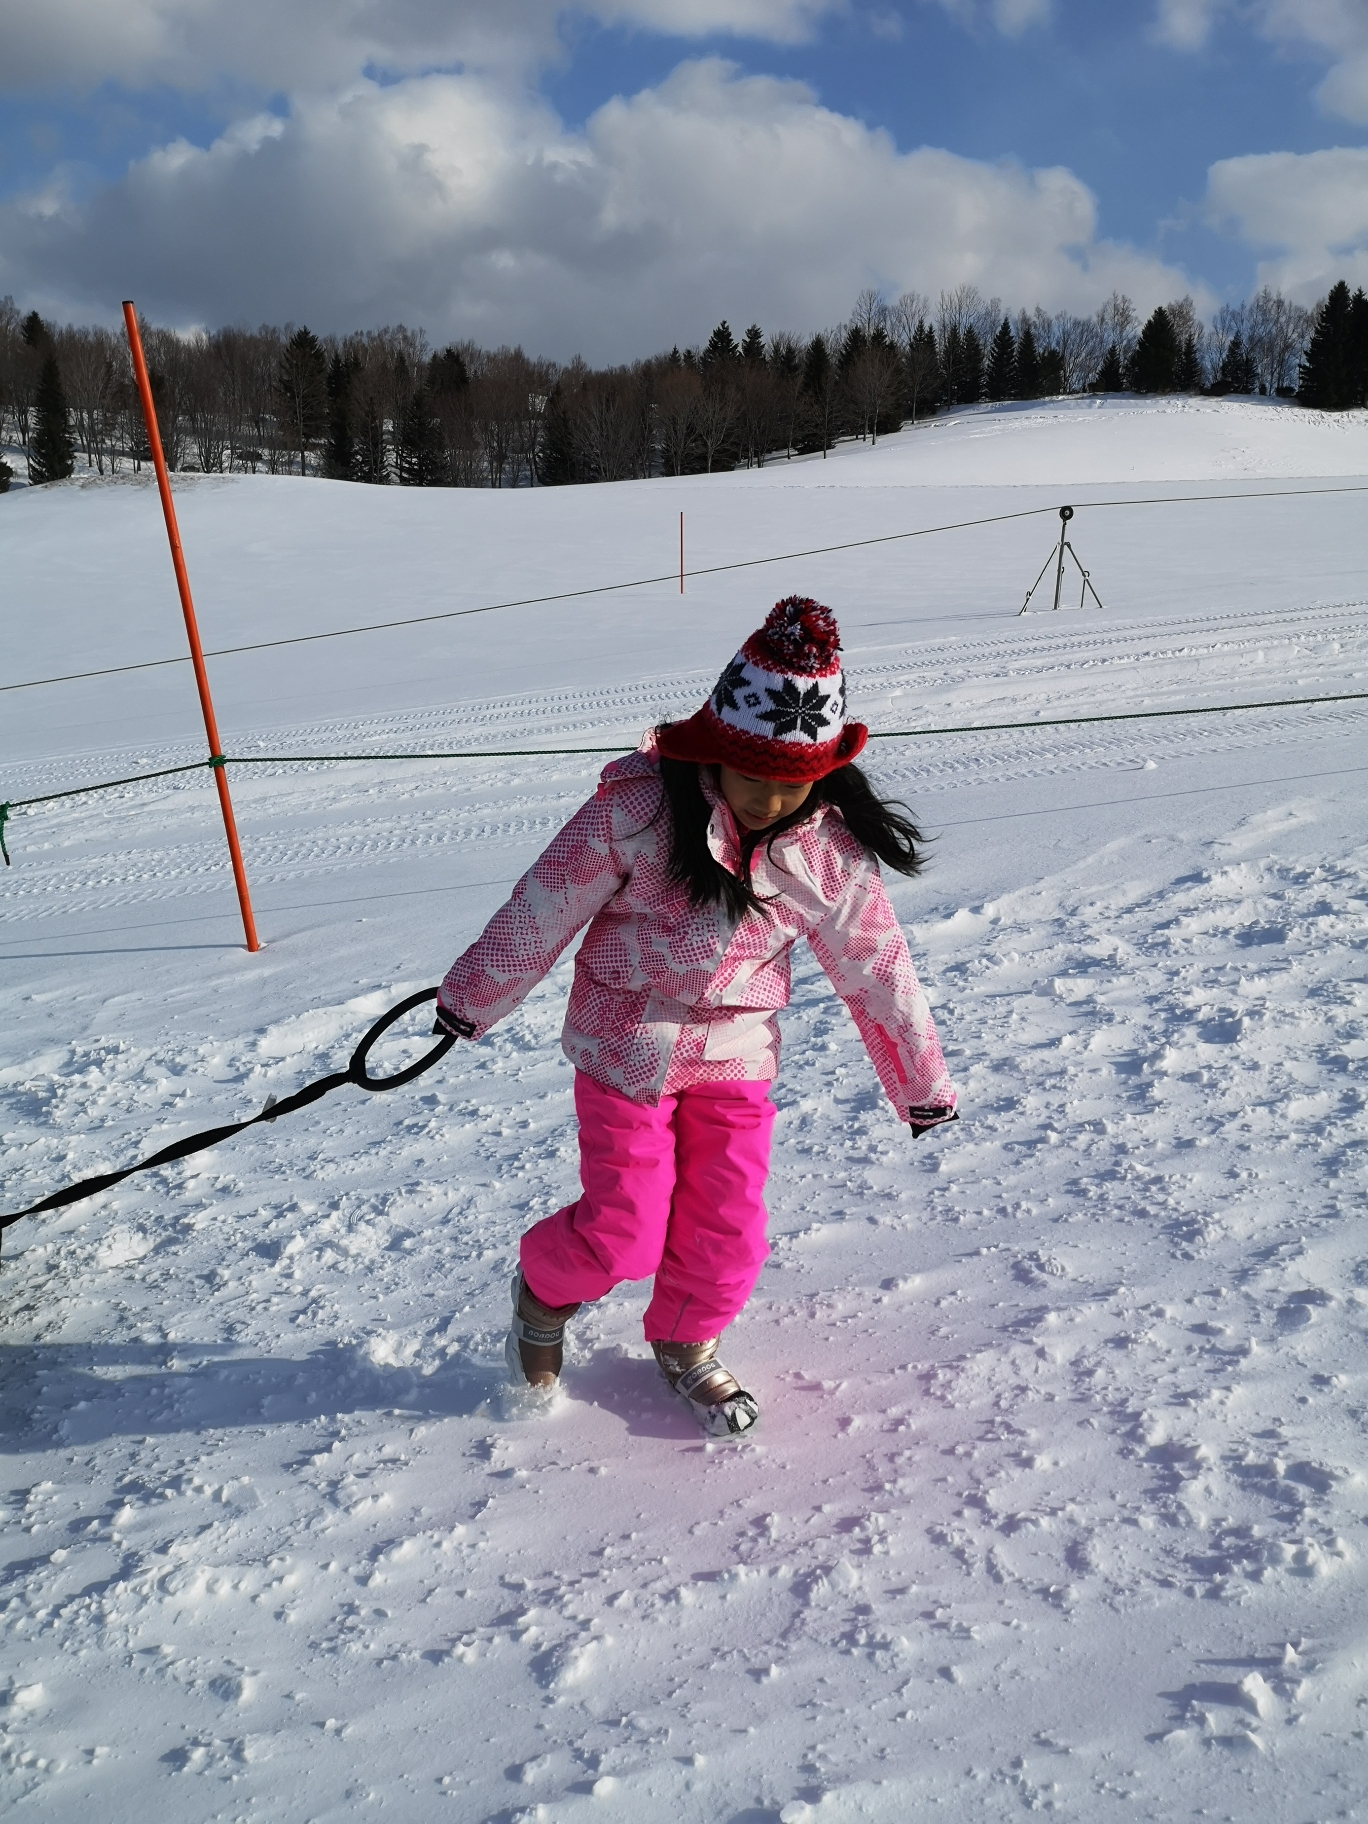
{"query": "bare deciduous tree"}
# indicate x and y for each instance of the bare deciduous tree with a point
(91, 365)
(912, 308)
(207, 420)
(874, 382)
(870, 314)
(1119, 322)
(786, 365)
(1078, 342)
(716, 414)
(678, 398)
(910, 325)
(1276, 332)
(168, 369)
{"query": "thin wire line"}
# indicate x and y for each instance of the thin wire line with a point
(748, 563)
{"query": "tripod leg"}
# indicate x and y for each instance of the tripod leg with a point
(1036, 584)
(1087, 588)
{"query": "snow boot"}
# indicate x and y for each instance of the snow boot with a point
(713, 1394)
(535, 1347)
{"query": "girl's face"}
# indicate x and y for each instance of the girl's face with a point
(757, 803)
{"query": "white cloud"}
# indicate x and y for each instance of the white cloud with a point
(1186, 24)
(1307, 210)
(1338, 29)
(462, 202)
(1011, 17)
(1016, 16)
(313, 45)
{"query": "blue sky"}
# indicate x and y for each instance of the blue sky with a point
(619, 176)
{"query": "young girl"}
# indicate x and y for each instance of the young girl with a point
(699, 861)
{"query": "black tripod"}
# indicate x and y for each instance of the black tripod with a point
(1057, 559)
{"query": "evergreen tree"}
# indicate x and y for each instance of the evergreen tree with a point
(951, 364)
(556, 458)
(970, 387)
(302, 386)
(36, 339)
(1236, 373)
(785, 357)
(369, 447)
(753, 346)
(853, 344)
(921, 368)
(1027, 364)
(448, 373)
(1358, 349)
(1051, 373)
(816, 366)
(419, 454)
(339, 456)
(721, 349)
(1000, 378)
(50, 453)
(1154, 365)
(819, 393)
(1110, 376)
(1332, 374)
(1188, 375)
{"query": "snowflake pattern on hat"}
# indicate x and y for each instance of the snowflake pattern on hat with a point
(795, 709)
(734, 678)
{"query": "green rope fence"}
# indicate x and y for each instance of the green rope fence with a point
(537, 753)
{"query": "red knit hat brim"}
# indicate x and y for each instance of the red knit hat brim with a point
(706, 740)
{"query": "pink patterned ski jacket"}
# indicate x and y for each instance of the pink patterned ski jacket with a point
(667, 994)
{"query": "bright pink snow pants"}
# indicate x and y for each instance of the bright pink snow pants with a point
(673, 1191)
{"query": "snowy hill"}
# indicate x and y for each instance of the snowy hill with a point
(1057, 1498)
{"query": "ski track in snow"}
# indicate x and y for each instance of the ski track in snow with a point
(1057, 1503)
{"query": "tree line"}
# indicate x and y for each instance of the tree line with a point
(384, 407)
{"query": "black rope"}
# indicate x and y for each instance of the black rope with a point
(355, 1072)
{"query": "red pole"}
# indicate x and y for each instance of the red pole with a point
(191, 626)
(681, 554)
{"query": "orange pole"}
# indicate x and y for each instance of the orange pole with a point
(681, 554)
(191, 625)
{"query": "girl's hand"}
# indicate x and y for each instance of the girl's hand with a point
(922, 1120)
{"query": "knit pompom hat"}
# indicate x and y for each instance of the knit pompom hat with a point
(778, 711)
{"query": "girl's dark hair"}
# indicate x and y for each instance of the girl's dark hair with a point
(878, 824)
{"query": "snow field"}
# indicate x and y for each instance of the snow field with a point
(1057, 1500)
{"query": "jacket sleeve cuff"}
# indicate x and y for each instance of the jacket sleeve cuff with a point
(452, 1024)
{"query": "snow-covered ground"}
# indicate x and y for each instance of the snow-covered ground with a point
(1058, 1499)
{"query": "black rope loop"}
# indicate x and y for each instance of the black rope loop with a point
(356, 1072)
